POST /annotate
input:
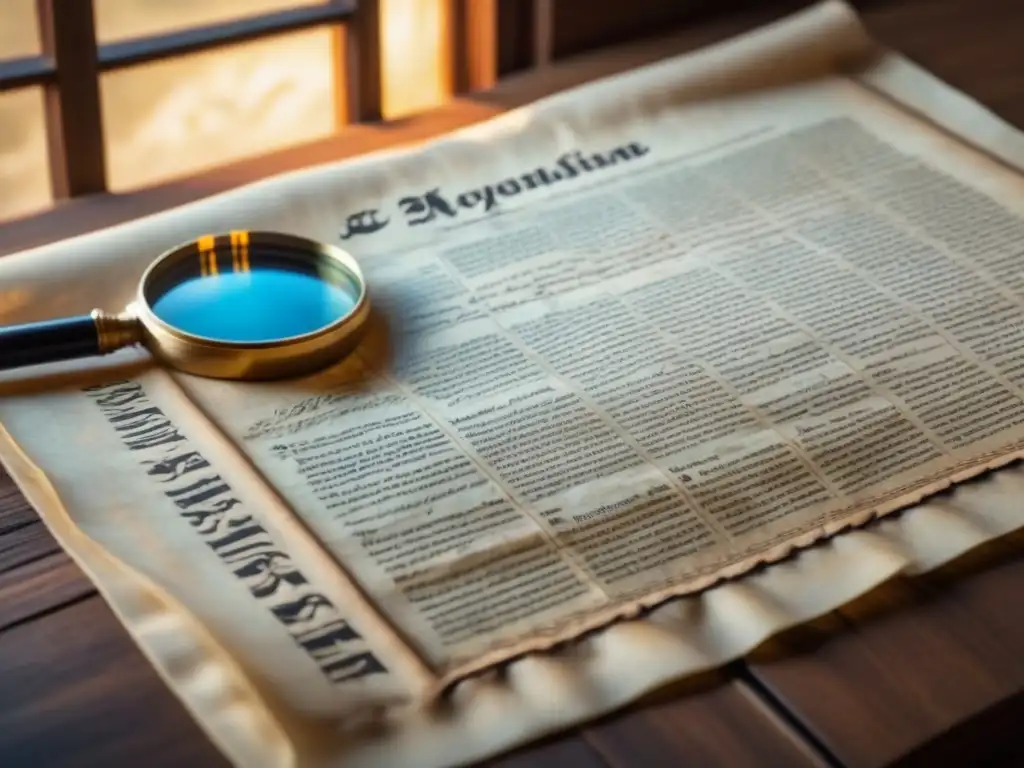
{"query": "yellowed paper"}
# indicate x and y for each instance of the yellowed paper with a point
(630, 342)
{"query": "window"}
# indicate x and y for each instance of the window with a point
(100, 95)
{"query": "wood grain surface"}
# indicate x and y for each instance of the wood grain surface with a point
(924, 672)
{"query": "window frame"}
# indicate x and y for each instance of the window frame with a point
(71, 61)
(486, 40)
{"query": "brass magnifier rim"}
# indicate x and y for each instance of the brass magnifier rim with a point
(213, 358)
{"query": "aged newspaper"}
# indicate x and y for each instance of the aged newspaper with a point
(628, 343)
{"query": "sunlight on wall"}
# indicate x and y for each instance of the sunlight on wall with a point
(173, 118)
(24, 171)
(183, 115)
(19, 29)
(415, 59)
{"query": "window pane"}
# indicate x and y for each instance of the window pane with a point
(19, 29)
(24, 173)
(414, 59)
(121, 19)
(175, 117)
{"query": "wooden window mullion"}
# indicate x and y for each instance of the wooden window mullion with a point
(473, 28)
(490, 39)
(74, 127)
(361, 84)
(543, 31)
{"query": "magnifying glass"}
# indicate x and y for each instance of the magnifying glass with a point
(242, 305)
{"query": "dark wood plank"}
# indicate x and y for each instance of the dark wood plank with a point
(565, 751)
(710, 721)
(989, 584)
(76, 692)
(723, 724)
(991, 740)
(39, 587)
(890, 672)
(25, 544)
(973, 46)
(15, 511)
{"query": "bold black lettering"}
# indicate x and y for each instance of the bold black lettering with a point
(619, 153)
(146, 428)
(363, 223)
(124, 392)
(239, 534)
(241, 542)
(327, 637)
(589, 165)
(509, 187)
(302, 610)
(102, 387)
(476, 196)
(325, 644)
(124, 419)
(199, 491)
(539, 177)
(423, 208)
(269, 570)
(176, 466)
(353, 667)
(249, 549)
(567, 167)
(207, 520)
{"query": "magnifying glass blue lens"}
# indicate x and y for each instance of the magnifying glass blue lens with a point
(263, 304)
(245, 305)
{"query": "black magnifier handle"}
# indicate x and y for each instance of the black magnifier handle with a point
(66, 338)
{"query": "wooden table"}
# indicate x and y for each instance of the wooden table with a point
(927, 672)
